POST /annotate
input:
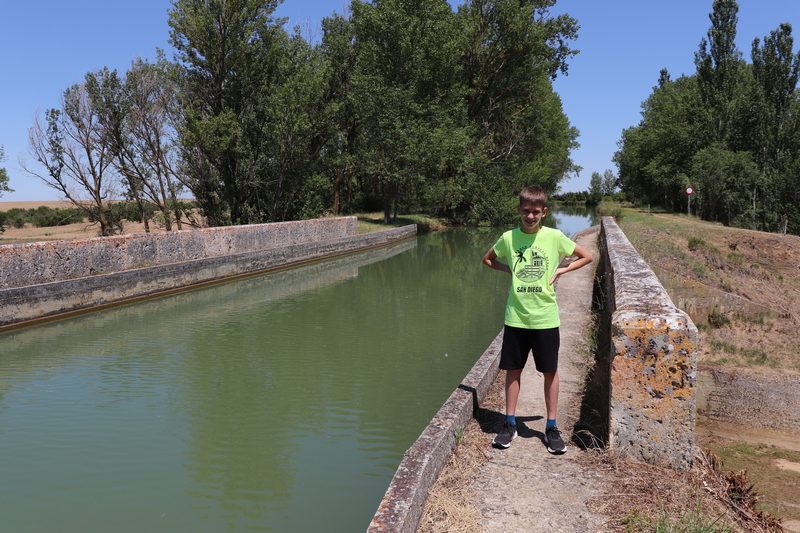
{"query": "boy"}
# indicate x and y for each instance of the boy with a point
(531, 254)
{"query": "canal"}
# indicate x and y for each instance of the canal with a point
(278, 403)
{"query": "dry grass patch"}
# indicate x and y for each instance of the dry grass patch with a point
(642, 497)
(451, 502)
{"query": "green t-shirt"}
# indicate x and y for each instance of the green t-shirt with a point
(533, 259)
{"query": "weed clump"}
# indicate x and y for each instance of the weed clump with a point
(717, 319)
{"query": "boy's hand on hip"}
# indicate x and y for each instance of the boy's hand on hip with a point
(557, 274)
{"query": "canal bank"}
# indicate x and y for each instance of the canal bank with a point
(46, 280)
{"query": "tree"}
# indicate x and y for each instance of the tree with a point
(609, 186)
(227, 56)
(3, 186)
(511, 53)
(595, 189)
(3, 174)
(339, 160)
(776, 69)
(775, 109)
(406, 94)
(137, 117)
(718, 65)
(733, 127)
(76, 156)
(724, 181)
(655, 157)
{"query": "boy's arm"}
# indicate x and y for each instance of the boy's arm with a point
(584, 258)
(490, 260)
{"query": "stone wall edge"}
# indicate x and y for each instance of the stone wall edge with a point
(401, 508)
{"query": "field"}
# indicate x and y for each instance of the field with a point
(81, 230)
(749, 402)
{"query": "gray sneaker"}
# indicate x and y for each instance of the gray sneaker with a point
(506, 435)
(555, 444)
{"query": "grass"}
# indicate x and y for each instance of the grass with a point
(717, 320)
(611, 209)
(691, 521)
(779, 486)
(750, 356)
(371, 222)
(731, 260)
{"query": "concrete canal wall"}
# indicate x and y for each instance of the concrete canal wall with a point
(652, 355)
(47, 279)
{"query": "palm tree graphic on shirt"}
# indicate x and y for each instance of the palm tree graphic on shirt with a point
(520, 257)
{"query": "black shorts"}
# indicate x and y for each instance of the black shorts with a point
(517, 342)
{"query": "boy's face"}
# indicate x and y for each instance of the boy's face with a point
(531, 216)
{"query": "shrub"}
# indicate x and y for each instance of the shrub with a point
(44, 216)
(607, 209)
(129, 210)
(696, 243)
(717, 319)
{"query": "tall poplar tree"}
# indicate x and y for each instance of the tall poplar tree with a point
(406, 97)
(3, 174)
(719, 64)
(224, 47)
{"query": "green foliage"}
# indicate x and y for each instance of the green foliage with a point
(130, 210)
(696, 243)
(726, 180)
(610, 209)
(231, 53)
(3, 188)
(44, 216)
(731, 131)
(16, 217)
(316, 197)
(407, 106)
(717, 319)
(3, 178)
(112, 218)
(595, 189)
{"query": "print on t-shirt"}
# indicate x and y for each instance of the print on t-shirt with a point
(530, 264)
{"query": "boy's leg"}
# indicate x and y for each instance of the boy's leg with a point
(551, 387)
(513, 384)
(512, 359)
(509, 430)
(552, 435)
(546, 358)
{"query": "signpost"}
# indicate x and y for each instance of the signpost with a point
(689, 193)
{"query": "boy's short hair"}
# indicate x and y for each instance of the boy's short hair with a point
(533, 194)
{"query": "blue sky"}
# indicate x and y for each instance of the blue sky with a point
(47, 45)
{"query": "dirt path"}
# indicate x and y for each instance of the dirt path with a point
(524, 488)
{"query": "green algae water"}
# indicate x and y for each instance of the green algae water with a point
(282, 402)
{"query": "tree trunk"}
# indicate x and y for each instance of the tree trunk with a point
(143, 211)
(387, 204)
(337, 184)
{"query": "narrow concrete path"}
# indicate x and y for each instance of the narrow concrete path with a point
(524, 488)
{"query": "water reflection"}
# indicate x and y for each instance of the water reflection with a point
(571, 218)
